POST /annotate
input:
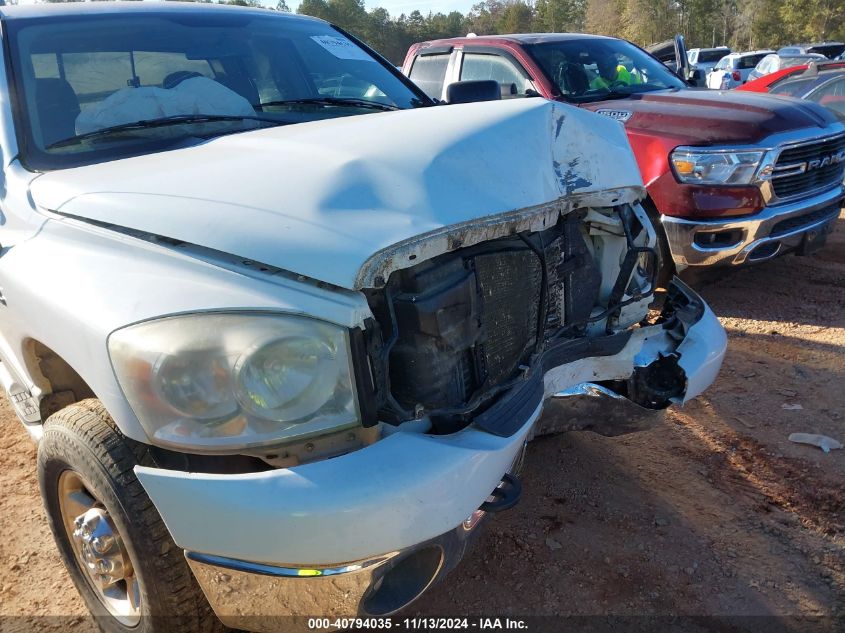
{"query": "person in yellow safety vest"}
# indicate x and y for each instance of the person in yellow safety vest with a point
(610, 73)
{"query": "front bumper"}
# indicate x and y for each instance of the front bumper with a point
(276, 543)
(771, 232)
(268, 598)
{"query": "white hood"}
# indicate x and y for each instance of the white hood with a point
(319, 199)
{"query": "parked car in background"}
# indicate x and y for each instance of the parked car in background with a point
(762, 84)
(728, 174)
(703, 60)
(774, 62)
(825, 87)
(733, 70)
(831, 50)
(282, 327)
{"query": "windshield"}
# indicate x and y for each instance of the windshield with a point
(586, 69)
(828, 50)
(749, 61)
(797, 60)
(705, 57)
(85, 82)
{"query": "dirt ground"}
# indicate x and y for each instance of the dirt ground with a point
(712, 513)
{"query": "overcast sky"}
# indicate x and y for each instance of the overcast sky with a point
(397, 7)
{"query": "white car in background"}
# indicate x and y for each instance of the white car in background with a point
(733, 70)
(703, 60)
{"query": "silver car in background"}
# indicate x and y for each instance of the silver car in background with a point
(777, 61)
(831, 50)
(733, 70)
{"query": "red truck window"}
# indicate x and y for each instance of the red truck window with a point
(429, 73)
(512, 80)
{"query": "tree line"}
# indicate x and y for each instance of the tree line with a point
(740, 24)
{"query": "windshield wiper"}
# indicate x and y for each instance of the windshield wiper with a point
(614, 94)
(178, 119)
(334, 101)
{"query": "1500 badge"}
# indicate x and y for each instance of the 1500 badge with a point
(619, 115)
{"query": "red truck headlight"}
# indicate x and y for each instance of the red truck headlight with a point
(705, 166)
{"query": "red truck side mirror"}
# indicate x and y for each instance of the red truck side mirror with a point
(472, 91)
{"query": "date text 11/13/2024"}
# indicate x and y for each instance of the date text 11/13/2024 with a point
(414, 624)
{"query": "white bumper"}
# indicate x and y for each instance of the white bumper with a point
(406, 489)
(398, 492)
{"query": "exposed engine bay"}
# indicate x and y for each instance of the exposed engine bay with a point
(467, 335)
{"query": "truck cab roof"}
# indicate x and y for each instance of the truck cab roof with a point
(518, 38)
(72, 9)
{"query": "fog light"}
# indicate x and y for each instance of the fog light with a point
(718, 239)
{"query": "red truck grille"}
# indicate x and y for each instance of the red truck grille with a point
(809, 167)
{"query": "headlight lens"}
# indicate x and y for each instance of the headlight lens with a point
(695, 165)
(221, 382)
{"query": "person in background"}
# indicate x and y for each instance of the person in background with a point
(612, 72)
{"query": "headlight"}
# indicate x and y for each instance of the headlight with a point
(219, 382)
(695, 165)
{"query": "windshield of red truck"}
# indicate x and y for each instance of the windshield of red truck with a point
(585, 70)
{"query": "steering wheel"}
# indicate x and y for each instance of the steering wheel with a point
(617, 84)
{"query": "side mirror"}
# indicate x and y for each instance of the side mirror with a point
(508, 90)
(472, 91)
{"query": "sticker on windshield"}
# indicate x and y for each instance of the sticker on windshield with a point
(342, 48)
(619, 115)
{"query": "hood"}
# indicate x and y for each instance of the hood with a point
(715, 117)
(319, 199)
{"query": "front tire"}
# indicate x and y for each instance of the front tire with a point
(112, 540)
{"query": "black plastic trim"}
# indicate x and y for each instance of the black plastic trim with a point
(434, 50)
(508, 415)
(512, 410)
(365, 384)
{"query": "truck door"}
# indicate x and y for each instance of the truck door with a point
(431, 70)
(672, 53)
(19, 222)
(488, 63)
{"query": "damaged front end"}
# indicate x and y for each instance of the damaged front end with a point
(451, 373)
(472, 309)
(483, 333)
(658, 377)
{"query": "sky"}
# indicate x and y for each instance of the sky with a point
(397, 7)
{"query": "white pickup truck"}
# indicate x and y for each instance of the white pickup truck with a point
(283, 326)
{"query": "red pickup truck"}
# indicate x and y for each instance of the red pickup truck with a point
(733, 177)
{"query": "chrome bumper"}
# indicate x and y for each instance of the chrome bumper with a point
(757, 238)
(271, 598)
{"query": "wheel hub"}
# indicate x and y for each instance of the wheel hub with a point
(101, 548)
